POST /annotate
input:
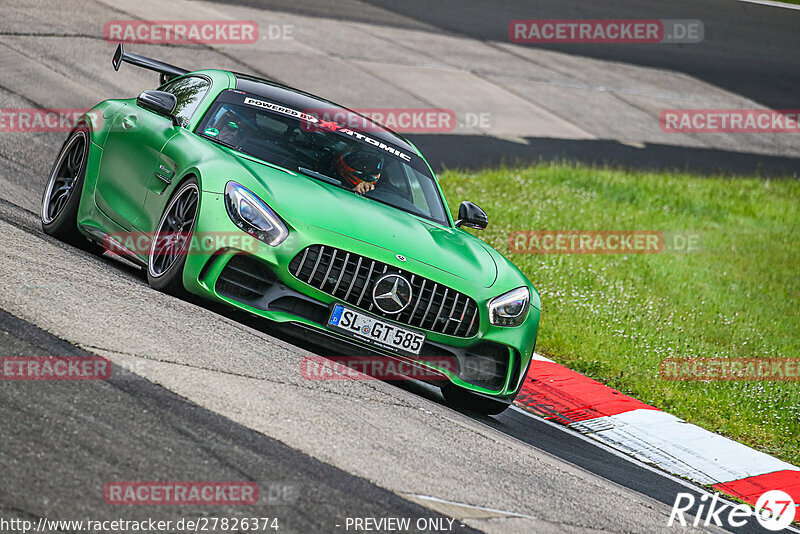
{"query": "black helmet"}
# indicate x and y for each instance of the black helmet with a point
(358, 166)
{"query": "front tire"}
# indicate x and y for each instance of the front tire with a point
(62, 195)
(172, 239)
(462, 399)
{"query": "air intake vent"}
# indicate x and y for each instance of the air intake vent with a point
(244, 278)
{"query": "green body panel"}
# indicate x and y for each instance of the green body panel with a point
(122, 187)
(122, 192)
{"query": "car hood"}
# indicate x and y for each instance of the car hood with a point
(303, 200)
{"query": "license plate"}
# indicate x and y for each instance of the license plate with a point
(375, 331)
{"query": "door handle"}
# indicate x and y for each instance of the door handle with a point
(129, 122)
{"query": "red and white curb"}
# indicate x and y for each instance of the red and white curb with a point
(654, 437)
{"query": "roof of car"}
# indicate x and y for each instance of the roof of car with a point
(302, 101)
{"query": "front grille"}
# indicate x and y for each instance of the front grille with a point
(350, 277)
(244, 278)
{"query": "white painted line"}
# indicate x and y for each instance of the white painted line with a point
(539, 357)
(469, 506)
(636, 462)
(685, 449)
(772, 4)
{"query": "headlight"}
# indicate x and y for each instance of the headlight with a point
(510, 309)
(253, 216)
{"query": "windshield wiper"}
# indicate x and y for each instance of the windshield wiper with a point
(220, 142)
(319, 176)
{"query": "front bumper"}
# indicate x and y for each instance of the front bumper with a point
(493, 362)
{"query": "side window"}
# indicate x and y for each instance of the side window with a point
(189, 91)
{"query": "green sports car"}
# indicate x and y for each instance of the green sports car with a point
(240, 190)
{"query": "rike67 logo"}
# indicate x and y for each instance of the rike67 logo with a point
(775, 510)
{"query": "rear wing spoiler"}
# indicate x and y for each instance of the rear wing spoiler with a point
(167, 71)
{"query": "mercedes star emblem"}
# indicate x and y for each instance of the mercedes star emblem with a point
(391, 293)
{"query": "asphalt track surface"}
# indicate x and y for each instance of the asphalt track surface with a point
(61, 443)
(78, 435)
(748, 49)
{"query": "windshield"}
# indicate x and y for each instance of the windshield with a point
(323, 150)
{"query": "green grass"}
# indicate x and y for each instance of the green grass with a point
(614, 317)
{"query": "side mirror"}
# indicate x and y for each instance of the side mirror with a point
(471, 216)
(159, 102)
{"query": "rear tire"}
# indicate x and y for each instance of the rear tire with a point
(172, 239)
(62, 195)
(462, 399)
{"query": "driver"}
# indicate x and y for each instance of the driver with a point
(361, 168)
(230, 133)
